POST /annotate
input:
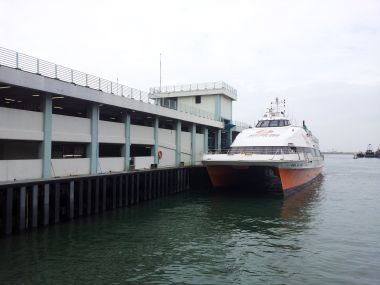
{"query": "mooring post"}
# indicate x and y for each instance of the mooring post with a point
(21, 225)
(137, 188)
(145, 186)
(158, 184)
(120, 191)
(132, 189)
(166, 183)
(104, 194)
(150, 186)
(57, 197)
(180, 180)
(126, 189)
(46, 204)
(8, 210)
(114, 181)
(188, 178)
(71, 197)
(80, 198)
(89, 192)
(34, 206)
(97, 195)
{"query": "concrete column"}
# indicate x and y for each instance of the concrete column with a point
(94, 145)
(155, 148)
(193, 144)
(178, 143)
(205, 140)
(47, 107)
(218, 139)
(127, 145)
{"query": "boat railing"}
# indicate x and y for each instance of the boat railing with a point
(218, 151)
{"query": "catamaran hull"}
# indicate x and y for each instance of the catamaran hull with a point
(262, 178)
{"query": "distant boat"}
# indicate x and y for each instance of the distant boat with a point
(360, 155)
(369, 152)
(377, 153)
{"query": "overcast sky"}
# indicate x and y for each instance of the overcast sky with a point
(322, 56)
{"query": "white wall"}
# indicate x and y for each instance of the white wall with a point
(143, 162)
(111, 132)
(20, 124)
(110, 164)
(226, 108)
(207, 102)
(70, 166)
(186, 158)
(199, 148)
(168, 157)
(186, 142)
(142, 135)
(166, 144)
(71, 129)
(186, 148)
(20, 169)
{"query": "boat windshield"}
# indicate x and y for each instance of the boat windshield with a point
(272, 123)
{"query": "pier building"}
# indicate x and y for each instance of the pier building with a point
(59, 125)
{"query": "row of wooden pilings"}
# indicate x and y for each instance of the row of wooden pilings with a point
(33, 204)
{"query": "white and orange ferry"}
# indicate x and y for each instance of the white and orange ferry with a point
(276, 156)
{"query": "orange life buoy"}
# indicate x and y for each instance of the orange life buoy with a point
(159, 154)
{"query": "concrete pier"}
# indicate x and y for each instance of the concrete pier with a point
(39, 203)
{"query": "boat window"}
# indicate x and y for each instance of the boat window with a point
(273, 123)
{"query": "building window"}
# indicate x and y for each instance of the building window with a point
(198, 99)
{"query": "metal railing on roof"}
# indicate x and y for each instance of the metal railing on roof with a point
(194, 87)
(42, 67)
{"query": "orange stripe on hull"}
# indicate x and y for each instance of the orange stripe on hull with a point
(291, 178)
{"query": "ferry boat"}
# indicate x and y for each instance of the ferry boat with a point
(276, 156)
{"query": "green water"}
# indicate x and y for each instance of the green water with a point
(327, 234)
